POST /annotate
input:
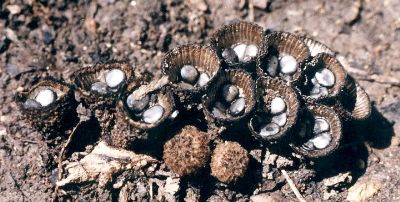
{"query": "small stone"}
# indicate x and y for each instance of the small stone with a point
(185, 86)
(320, 126)
(90, 25)
(288, 64)
(4, 44)
(278, 105)
(137, 105)
(46, 97)
(237, 106)
(272, 68)
(230, 55)
(189, 74)
(47, 38)
(153, 114)
(14, 9)
(32, 104)
(240, 50)
(261, 4)
(363, 190)
(269, 130)
(229, 92)
(325, 77)
(322, 140)
(203, 79)
(280, 119)
(114, 78)
(99, 87)
(174, 114)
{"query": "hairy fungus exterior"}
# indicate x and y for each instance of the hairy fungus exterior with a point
(229, 162)
(188, 151)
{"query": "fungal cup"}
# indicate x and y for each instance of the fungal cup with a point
(48, 106)
(278, 111)
(238, 44)
(286, 55)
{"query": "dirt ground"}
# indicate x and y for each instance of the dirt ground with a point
(55, 38)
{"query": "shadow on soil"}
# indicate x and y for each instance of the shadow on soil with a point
(352, 156)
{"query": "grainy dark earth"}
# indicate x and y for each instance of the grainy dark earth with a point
(54, 38)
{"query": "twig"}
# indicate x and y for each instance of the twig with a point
(380, 79)
(61, 156)
(152, 86)
(251, 11)
(17, 185)
(30, 141)
(293, 187)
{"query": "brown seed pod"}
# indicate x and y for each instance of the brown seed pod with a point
(246, 92)
(316, 47)
(320, 132)
(239, 44)
(275, 119)
(188, 151)
(96, 85)
(286, 56)
(133, 124)
(229, 162)
(49, 106)
(191, 70)
(324, 78)
(355, 101)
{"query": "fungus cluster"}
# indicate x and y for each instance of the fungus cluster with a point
(283, 88)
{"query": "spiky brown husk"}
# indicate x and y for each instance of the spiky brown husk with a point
(188, 151)
(229, 162)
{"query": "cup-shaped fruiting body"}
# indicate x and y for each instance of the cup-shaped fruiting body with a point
(355, 101)
(231, 98)
(239, 44)
(319, 133)
(285, 58)
(278, 111)
(48, 106)
(316, 47)
(139, 113)
(188, 151)
(102, 84)
(324, 78)
(191, 70)
(229, 162)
